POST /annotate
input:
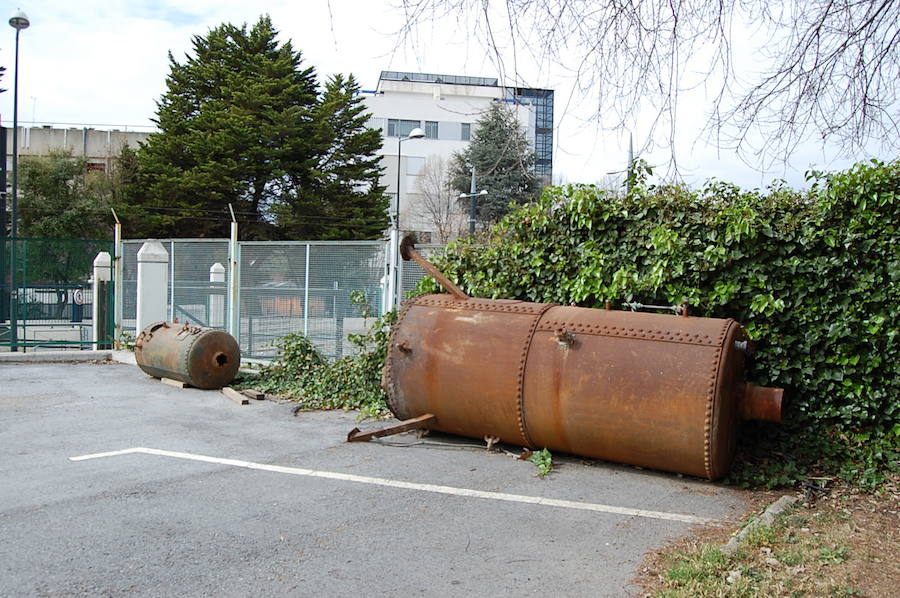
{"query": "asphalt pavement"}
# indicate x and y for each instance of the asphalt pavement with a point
(181, 492)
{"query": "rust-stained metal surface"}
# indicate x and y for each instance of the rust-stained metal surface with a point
(202, 357)
(654, 390)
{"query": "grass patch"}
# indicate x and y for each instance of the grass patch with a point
(843, 545)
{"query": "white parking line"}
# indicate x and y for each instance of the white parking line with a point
(451, 490)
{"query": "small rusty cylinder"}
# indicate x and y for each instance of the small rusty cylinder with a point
(655, 390)
(202, 357)
(762, 403)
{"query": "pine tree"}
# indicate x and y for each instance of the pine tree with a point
(244, 123)
(503, 161)
(236, 126)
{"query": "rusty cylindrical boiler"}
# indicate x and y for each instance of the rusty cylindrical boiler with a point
(202, 357)
(654, 390)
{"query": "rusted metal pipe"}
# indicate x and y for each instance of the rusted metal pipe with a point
(762, 403)
(417, 423)
(408, 252)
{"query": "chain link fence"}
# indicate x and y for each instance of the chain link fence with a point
(327, 290)
(191, 296)
(411, 273)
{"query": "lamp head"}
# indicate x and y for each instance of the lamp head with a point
(19, 21)
(416, 133)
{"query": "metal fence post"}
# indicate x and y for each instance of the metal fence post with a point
(234, 308)
(23, 282)
(118, 282)
(392, 271)
(306, 295)
(100, 301)
(172, 281)
(386, 280)
(399, 300)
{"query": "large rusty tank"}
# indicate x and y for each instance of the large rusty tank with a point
(649, 389)
(202, 357)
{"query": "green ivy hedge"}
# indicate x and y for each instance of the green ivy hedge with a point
(814, 276)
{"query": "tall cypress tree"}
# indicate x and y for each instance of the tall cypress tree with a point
(348, 171)
(236, 126)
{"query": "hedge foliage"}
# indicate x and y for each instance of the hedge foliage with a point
(303, 374)
(814, 276)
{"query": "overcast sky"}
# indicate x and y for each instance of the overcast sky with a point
(104, 63)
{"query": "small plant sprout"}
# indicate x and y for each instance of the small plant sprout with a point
(543, 460)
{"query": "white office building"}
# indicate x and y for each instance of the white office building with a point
(446, 108)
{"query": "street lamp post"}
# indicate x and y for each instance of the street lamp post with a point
(394, 283)
(18, 21)
(473, 197)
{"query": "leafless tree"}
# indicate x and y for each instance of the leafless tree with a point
(440, 205)
(824, 70)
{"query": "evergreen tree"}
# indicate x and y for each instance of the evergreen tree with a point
(503, 161)
(60, 198)
(345, 200)
(236, 126)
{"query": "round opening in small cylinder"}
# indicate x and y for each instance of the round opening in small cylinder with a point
(221, 359)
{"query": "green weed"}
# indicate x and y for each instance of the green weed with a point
(543, 460)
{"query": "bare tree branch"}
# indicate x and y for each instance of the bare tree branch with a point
(440, 205)
(825, 70)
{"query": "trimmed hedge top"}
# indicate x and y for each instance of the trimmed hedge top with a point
(814, 276)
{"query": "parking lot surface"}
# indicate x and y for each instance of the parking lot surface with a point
(112, 484)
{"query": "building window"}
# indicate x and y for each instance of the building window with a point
(543, 146)
(401, 128)
(431, 129)
(466, 132)
(544, 113)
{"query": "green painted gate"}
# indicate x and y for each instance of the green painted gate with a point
(51, 303)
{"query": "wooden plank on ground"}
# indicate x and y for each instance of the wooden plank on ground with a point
(254, 394)
(235, 396)
(175, 383)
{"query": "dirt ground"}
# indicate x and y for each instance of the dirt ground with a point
(837, 543)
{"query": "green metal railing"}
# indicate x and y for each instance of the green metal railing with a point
(51, 304)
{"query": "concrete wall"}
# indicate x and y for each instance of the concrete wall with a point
(99, 146)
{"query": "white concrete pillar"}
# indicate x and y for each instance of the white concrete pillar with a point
(216, 317)
(100, 299)
(152, 284)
